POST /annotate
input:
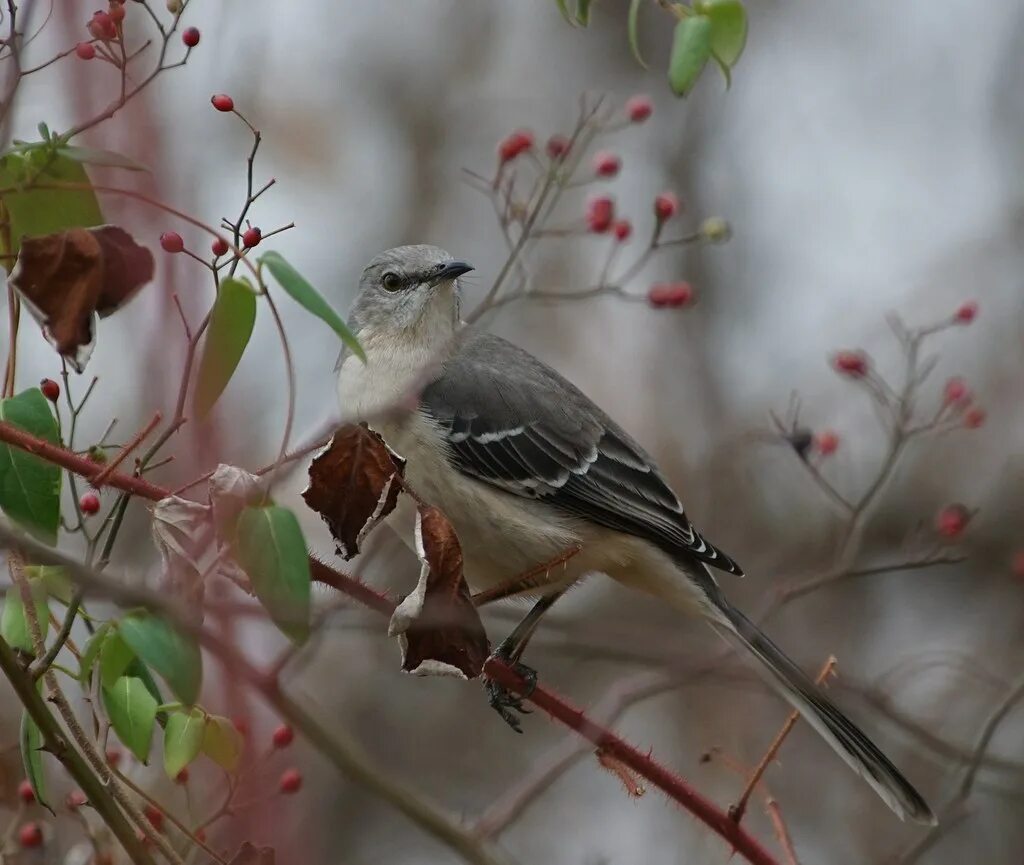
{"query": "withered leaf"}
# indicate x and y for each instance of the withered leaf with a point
(69, 278)
(437, 623)
(354, 484)
(250, 855)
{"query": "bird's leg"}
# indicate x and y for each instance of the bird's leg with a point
(509, 651)
(534, 578)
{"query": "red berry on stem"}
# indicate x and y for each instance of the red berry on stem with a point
(252, 236)
(952, 520)
(514, 145)
(171, 241)
(25, 792)
(222, 102)
(606, 164)
(666, 205)
(101, 26)
(116, 12)
(671, 294)
(966, 313)
(85, 50)
(956, 391)
(557, 146)
(639, 107)
(975, 418)
(154, 815)
(827, 442)
(283, 736)
(30, 835)
(89, 503)
(622, 229)
(113, 757)
(600, 214)
(851, 363)
(291, 781)
(191, 37)
(220, 246)
(75, 800)
(50, 389)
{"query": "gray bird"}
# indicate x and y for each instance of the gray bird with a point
(526, 466)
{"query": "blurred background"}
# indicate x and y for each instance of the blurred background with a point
(869, 158)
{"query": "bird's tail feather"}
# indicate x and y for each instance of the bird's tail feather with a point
(840, 732)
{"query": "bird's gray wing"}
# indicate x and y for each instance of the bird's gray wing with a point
(514, 422)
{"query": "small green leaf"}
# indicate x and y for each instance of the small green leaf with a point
(183, 739)
(728, 29)
(174, 656)
(691, 48)
(115, 656)
(92, 652)
(13, 623)
(583, 12)
(270, 548)
(231, 324)
(54, 578)
(30, 486)
(308, 297)
(132, 711)
(106, 158)
(632, 28)
(564, 9)
(222, 742)
(31, 740)
(138, 670)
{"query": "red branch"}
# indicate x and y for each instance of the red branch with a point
(556, 706)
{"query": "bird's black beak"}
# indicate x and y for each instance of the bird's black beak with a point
(450, 271)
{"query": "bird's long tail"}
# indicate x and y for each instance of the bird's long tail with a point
(840, 732)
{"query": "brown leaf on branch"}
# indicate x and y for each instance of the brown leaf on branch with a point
(437, 623)
(354, 484)
(68, 279)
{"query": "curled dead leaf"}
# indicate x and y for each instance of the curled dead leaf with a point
(354, 484)
(182, 531)
(68, 279)
(437, 623)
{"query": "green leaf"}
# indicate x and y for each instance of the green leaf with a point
(270, 548)
(231, 324)
(564, 9)
(132, 711)
(174, 656)
(54, 578)
(106, 158)
(632, 28)
(30, 486)
(183, 739)
(728, 29)
(115, 656)
(92, 652)
(308, 297)
(691, 48)
(583, 12)
(13, 623)
(222, 742)
(31, 740)
(138, 670)
(33, 211)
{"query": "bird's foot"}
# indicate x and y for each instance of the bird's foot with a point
(503, 701)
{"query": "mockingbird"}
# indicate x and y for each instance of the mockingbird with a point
(526, 466)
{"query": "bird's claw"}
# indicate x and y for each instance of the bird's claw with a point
(503, 701)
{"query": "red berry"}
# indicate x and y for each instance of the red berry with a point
(291, 781)
(154, 815)
(191, 37)
(50, 389)
(200, 835)
(956, 392)
(514, 145)
(85, 50)
(974, 418)
(966, 313)
(622, 229)
(600, 214)
(220, 246)
(639, 107)
(182, 776)
(251, 237)
(851, 363)
(101, 26)
(75, 800)
(25, 792)
(557, 146)
(222, 102)
(671, 294)
(666, 205)
(171, 241)
(30, 835)
(116, 12)
(283, 736)
(826, 442)
(1017, 564)
(606, 164)
(113, 757)
(89, 503)
(952, 520)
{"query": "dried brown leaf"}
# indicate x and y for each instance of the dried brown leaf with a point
(439, 628)
(354, 484)
(69, 278)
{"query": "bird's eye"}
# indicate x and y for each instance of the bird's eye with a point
(391, 281)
